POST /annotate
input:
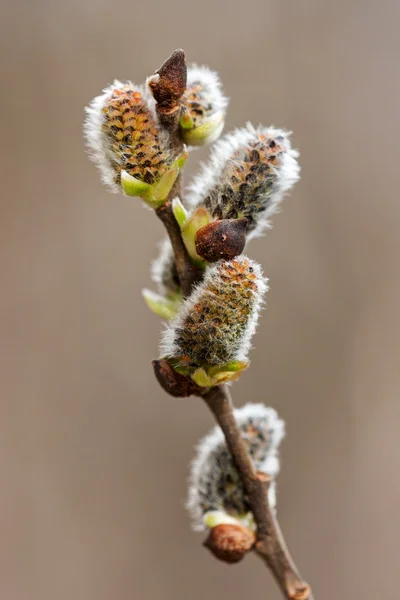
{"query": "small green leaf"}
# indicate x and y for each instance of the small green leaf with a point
(180, 212)
(225, 377)
(199, 219)
(201, 378)
(206, 133)
(181, 160)
(161, 189)
(186, 121)
(161, 306)
(211, 376)
(213, 518)
(234, 366)
(133, 186)
(155, 194)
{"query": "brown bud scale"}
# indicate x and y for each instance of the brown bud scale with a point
(229, 542)
(172, 382)
(168, 88)
(223, 239)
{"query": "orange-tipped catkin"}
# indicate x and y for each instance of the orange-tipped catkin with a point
(122, 134)
(248, 174)
(214, 483)
(217, 321)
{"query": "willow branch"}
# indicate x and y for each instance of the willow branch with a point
(168, 85)
(270, 545)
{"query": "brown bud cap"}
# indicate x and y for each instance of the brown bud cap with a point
(222, 239)
(169, 82)
(174, 383)
(230, 543)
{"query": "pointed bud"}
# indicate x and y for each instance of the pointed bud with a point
(169, 82)
(127, 146)
(160, 305)
(216, 494)
(204, 106)
(217, 321)
(221, 239)
(180, 213)
(172, 382)
(247, 176)
(230, 543)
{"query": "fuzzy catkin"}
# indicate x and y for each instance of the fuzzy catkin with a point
(214, 483)
(218, 319)
(122, 133)
(247, 175)
(203, 96)
(163, 270)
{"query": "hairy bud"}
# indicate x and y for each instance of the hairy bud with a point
(217, 321)
(229, 542)
(216, 493)
(248, 173)
(204, 106)
(127, 146)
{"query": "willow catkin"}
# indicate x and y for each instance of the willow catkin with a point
(217, 321)
(247, 175)
(204, 105)
(214, 483)
(122, 134)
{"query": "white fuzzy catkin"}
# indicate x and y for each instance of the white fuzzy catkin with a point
(163, 270)
(214, 483)
(217, 321)
(247, 175)
(122, 133)
(204, 96)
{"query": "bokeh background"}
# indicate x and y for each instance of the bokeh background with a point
(93, 455)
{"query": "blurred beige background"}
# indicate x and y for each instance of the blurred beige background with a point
(93, 455)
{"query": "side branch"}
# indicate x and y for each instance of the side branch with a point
(270, 545)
